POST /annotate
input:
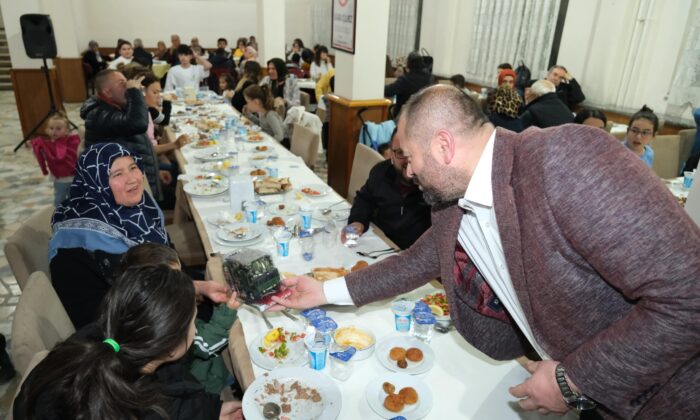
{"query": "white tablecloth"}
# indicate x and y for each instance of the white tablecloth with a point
(465, 383)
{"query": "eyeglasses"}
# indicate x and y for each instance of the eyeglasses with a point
(638, 132)
(398, 153)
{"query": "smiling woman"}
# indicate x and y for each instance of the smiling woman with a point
(106, 213)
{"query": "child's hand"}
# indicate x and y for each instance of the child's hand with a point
(233, 302)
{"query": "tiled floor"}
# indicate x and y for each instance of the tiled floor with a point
(23, 189)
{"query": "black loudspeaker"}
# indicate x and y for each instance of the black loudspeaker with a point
(38, 37)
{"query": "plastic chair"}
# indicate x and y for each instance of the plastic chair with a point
(27, 250)
(305, 144)
(40, 321)
(363, 162)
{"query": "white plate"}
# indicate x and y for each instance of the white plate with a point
(209, 144)
(326, 409)
(290, 209)
(251, 242)
(335, 214)
(218, 165)
(297, 355)
(320, 188)
(222, 218)
(375, 395)
(211, 154)
(252, 232)
(259, 157)
(205, 188)
(413, 368)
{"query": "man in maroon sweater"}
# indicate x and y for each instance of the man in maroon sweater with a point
(555, 240)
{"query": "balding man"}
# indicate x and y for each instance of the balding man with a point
(568, 89)
(171, 57)
(542, 241)
(118, 114)
(544, 108)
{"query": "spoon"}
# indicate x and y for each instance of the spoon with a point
(328, 210)
(442, 328)
(271, 410)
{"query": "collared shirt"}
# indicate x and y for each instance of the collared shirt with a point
(479, 236)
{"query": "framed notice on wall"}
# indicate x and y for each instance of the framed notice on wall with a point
(343, 26)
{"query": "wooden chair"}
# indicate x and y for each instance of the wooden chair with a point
(364, 160)
(27, 250)
(304, 99)
(305, 144)
(40, 321)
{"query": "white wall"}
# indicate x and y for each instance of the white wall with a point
(155, 20)
(298, 22)
(11, 11)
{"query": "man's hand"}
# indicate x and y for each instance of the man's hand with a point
(568, 76)
(307, 292)
(165, 177)
(541, 392)
(359, 227)
(233, 302)
(216, 292)
(231, 410)
(134, 83)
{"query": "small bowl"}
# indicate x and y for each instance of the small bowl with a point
(349, 335)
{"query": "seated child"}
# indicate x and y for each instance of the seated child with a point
(211, 338)
(125, 366)
(59, 152)
(642, 129)
(260, 110)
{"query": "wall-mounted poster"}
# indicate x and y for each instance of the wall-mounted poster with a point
(343, 28)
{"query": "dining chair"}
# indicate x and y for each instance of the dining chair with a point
(304, 99)
(667, 155)
(27, 250)
(40, 321)
(305, 144)
(363, 162)
(35, 360)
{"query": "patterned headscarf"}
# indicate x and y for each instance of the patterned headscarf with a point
(506, 101)
(92, 220)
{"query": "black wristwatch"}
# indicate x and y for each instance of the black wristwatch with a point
(574, 400)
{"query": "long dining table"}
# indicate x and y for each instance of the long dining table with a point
(463, 382)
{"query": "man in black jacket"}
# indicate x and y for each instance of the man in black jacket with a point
(417, 77)
(568, 89)
(118, 114)
(391, 200)
(544, 108)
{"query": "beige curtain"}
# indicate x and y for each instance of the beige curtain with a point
(321, 17)
(403, 24)
(510, 31)
(684, 94)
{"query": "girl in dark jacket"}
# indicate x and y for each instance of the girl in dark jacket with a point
(125, 366)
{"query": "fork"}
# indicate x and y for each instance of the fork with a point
(377, 253)
(264, 317)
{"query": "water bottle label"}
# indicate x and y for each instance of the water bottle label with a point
(306, 221)
(283, 249)
(403, 322)
(252, 216)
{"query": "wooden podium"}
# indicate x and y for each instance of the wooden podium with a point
(344, 132)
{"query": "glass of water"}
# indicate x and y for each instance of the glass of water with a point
(351, 236)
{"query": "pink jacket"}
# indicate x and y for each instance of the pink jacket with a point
(59, 155)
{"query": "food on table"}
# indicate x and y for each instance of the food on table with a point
(351, 336)
(183, 139)
(281, 207)
(276, 221)
(196, 102)
(403, 364)
(287, 396)
(359, 266)
(261, 148)
(328, 273)
(255, 136)
(413, 354)
(205, 143)
(252, 273)
(238, 232)
(274, 344)
(388, 387)
(270, 185)
(394, 403)
(286, 408)
(310, 191)
(437, 300)
(216, 177)
(397, 353)
(205, 187)
(409, 395)
(258, 172)
(206, 124)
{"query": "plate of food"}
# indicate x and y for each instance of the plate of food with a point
(204, 143)
(315, 190)
(239, 232)
(282, 209)
(405, 354)
(398, 394)
(218, 165)
(362, 339)
(211, 154)
(209, 176)
(255, 171)
(328, 273)
(206, 124)
(279, 347)
(437, 302)
(334, 214)
(270, 185)
(261, 148)
(299, 394)
(259, 157)
(254, 137)
(205, 188)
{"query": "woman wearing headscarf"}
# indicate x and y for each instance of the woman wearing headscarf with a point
(282, 85)
(250, 54)
(106, 213)
(503, 108)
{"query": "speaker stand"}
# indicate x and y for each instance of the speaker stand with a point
(52, 109)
